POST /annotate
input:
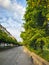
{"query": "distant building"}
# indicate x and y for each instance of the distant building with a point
(4, 29)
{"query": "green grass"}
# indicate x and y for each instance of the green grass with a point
(44, 54)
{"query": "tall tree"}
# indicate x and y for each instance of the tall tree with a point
(36, 23)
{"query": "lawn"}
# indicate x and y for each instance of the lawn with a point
(44, 54)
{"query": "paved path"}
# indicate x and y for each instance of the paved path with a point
(15, 56)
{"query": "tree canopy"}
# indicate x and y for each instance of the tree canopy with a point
(4, 37)
(36, 24)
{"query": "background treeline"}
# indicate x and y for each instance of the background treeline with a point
(5, 38)
(36, 34)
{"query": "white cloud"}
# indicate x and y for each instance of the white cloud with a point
(14, 7)
(5, 3)
(14, 22)
(15, 33)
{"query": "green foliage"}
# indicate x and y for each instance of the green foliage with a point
(4, 37)
(36, 34)
(45, 55)
(36, 27)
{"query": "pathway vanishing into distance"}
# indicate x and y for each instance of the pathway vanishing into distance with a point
(15, 56)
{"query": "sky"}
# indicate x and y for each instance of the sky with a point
(11, 15)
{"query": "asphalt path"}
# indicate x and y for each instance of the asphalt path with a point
(15, 56)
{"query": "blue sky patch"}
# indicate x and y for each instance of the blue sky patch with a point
(11, 15)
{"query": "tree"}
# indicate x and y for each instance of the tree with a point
(4, 37)
(36, 24)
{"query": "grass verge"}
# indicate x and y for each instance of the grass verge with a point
(44, 54)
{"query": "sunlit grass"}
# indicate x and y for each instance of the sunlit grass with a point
(44, 54)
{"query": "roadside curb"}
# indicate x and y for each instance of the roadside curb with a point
(35, 58)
